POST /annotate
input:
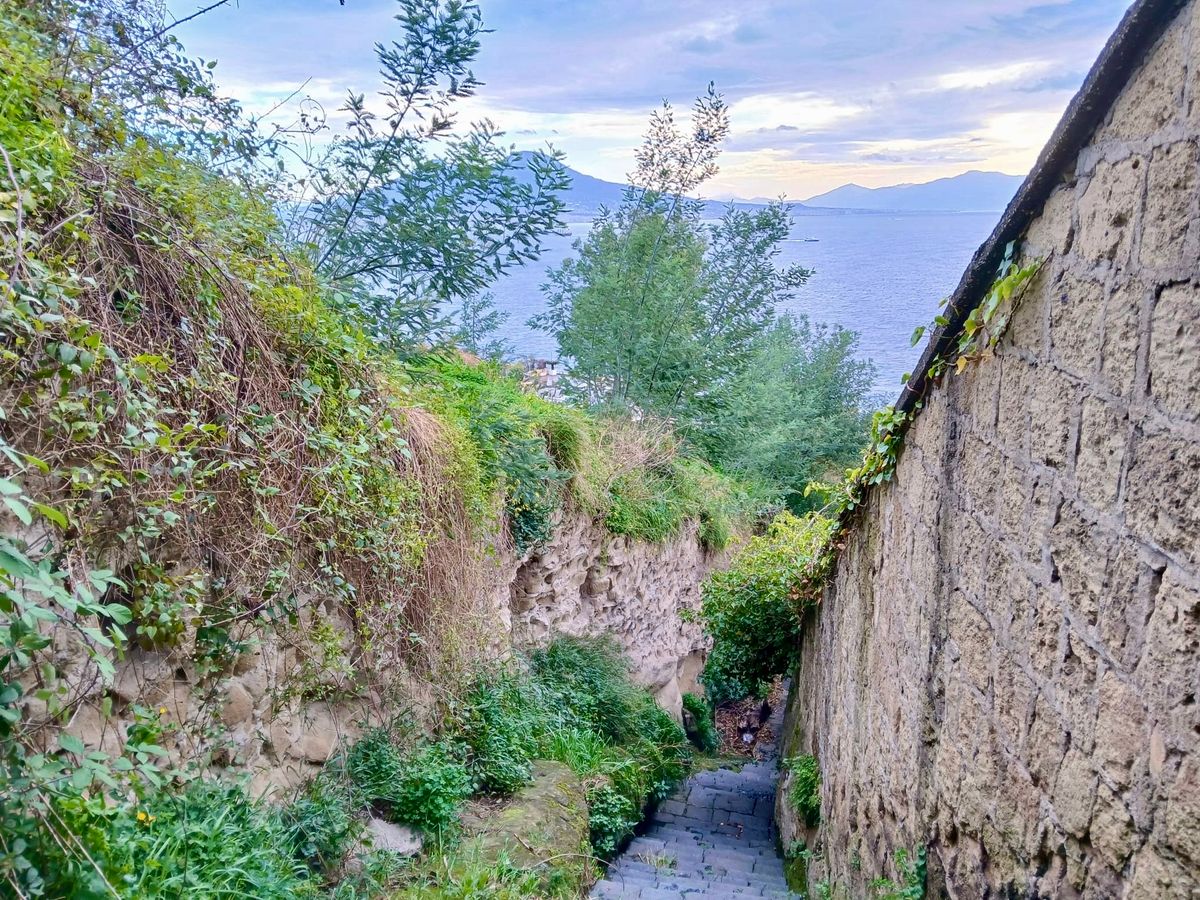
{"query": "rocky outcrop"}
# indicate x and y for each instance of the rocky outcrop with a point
(1004, 669)
(586, 582)
(294, 695)
(544, 826)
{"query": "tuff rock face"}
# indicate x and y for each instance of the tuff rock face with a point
(586, 582)
(1005, 668)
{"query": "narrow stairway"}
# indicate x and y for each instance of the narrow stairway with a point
(715, 837)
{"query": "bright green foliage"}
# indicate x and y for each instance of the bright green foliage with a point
(611, 817)
(912, 878)
(805, 792)
(652, 503)
(636, 746)
(423, 787)
(701, 711)
(208, 840)
(794, 415)
(752, 610)
(521, 441)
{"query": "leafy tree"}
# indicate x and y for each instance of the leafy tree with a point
(400, 229)
(664, 313)
(791, 415)
(476, 321)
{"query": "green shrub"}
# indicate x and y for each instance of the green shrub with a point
(753, 609)
(499, 725)
(423, 788)
(805, 792)
(705, 737)
(321, 826)
(612, 817)
(520, 440)
(603, 726)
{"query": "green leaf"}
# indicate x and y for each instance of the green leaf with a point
(52, 514)
(70, 743)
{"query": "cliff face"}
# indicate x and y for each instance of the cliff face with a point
(586, 582)
(1005, 667)
(293, 696)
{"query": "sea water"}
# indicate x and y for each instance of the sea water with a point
(877, 274)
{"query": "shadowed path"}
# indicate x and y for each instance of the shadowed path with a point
(714, 837)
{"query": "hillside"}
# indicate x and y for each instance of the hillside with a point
(969, 192)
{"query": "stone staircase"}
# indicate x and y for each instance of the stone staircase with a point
(715, 837)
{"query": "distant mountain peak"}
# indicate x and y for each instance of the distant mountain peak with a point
(972, 191)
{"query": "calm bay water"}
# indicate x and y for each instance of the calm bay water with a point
(879, 275)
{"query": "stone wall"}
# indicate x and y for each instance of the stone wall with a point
(586, 582)
(293, 697)
(1005, 667)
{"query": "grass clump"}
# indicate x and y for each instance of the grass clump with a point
(752, 610)
(208, 839)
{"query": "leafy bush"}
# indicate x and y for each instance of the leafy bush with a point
(705, 737)
(518, 437)
(499, 726)
(611, 819)
(321, 826)
(752, 609)
(423, 788)
(605, 728)
(805, 792)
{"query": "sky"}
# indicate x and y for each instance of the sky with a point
(821, 92)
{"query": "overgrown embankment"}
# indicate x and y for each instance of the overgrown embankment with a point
(238, 533)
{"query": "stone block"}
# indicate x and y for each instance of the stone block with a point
(1047, 632)
(1075, 320)
(1183, 810)
(239, 704)
(1103, 433)
(1111, 829)
(1107, 210)
(1153, 98)
(1053, 417)
(1074, 793)
(1017, 378)
(1175, 352)
(1161, 490)
(1167, 671)
(1046, 745)
(1170, 204)
(972, 636)
(1052, 232)
(1120, 727)
(1079, 550)
(1122, 337)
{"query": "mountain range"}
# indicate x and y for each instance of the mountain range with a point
(972, 191)
(969, 192)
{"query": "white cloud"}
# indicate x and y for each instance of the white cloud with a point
(990, 75)
(804, 111)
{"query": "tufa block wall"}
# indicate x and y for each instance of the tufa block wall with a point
(1005, 667)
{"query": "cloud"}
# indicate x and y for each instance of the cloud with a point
(873, 92)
